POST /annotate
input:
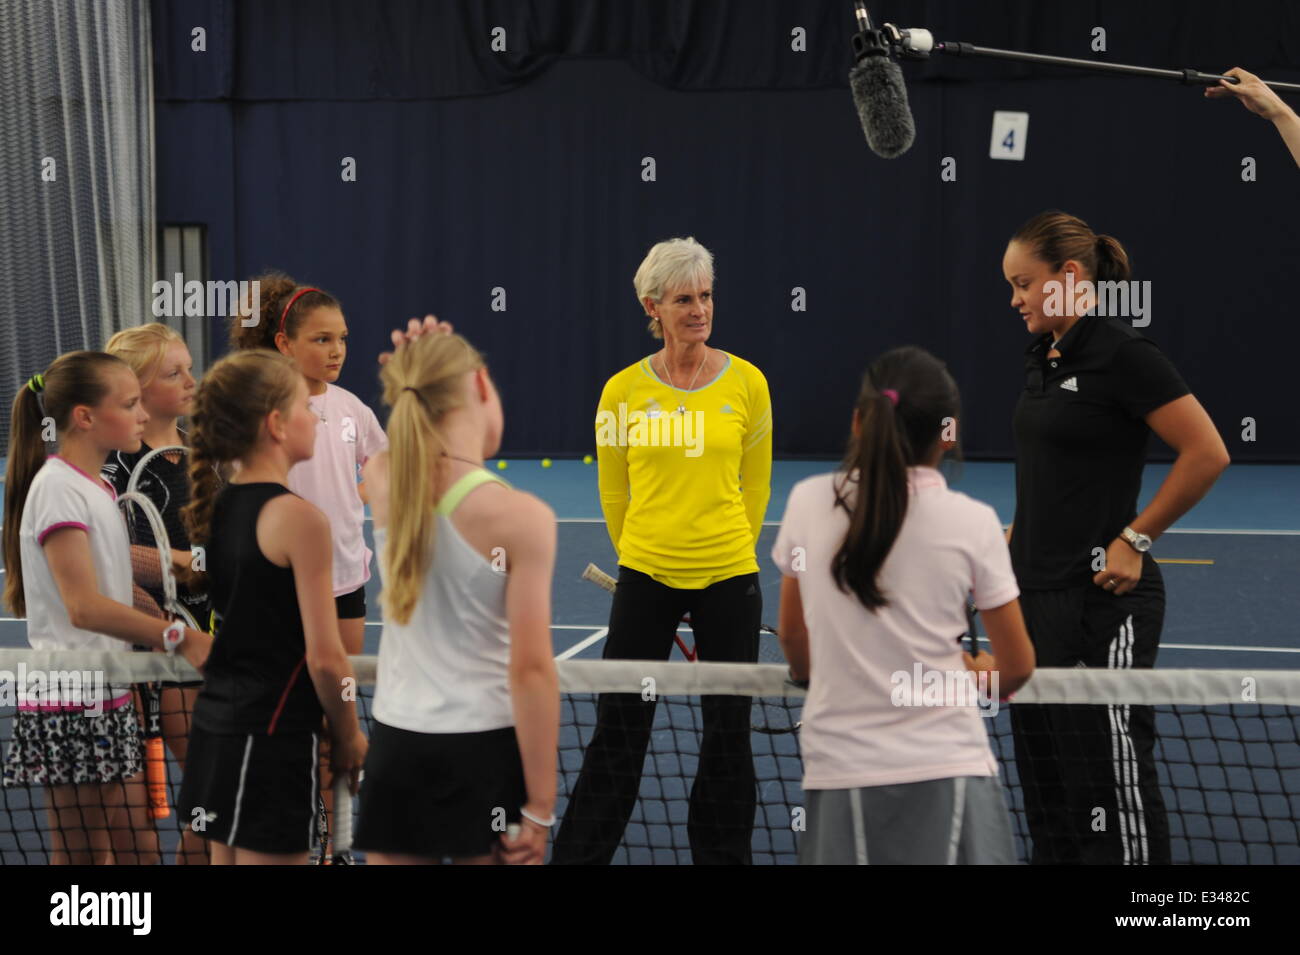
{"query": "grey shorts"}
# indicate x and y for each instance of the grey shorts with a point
(958, 821)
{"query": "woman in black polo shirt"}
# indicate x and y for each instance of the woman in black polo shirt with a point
(1091, 591)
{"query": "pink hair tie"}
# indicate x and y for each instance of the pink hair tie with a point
(891, 394)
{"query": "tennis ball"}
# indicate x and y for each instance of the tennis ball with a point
(501, 465)
(586, 459)
(546, 462)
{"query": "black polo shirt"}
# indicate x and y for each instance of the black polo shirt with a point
(1081, 445)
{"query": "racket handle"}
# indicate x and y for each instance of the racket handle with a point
(155, 774)
(342, 816)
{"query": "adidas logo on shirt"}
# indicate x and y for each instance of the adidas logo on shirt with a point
(1071, 384)
(726, 409)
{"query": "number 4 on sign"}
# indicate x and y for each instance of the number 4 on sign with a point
(1010, 131)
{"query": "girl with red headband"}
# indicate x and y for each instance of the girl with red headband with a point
(306, 324)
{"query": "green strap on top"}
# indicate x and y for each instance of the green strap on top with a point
(456, 493)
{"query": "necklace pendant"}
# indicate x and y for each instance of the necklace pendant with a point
(681, 409)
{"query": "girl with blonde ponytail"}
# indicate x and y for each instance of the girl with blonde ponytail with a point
(466, 703)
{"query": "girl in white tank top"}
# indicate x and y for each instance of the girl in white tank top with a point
(463, 750)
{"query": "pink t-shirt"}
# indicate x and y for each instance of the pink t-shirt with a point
(854, 732)
(346, 438)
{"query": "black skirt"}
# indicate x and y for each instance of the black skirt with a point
(252, 791)
(439, 794)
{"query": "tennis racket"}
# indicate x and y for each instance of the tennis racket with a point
(342, 854)
(972, 629)
(772, 717)
(153, 592)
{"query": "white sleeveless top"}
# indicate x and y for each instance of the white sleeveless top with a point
(446, 670)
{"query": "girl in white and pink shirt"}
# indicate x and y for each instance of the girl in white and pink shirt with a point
(307, 325)
(68, 563)
(878, 560)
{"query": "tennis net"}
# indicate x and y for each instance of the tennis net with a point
(1226, 757)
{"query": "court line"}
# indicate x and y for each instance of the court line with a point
(1216, 647)
(1220, 646)
(581, 645)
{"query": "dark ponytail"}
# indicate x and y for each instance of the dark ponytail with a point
(77, 378)
(1112, 261)
(891, 438)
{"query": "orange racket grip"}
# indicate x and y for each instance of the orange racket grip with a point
(155, 774)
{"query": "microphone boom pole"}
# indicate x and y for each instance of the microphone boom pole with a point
(917, 44)
(1188, 77)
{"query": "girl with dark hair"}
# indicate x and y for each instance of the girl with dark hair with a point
(306, 325)
(878, 560)
(1092, 592)
(68, 571)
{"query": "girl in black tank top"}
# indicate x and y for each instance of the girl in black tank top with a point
(256, 680)
(277, 665)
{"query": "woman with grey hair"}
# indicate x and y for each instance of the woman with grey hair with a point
(684, 439)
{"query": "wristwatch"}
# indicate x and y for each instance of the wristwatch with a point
(1139, 542)
(173, 636)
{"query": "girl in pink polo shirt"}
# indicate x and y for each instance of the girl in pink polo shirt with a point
(878, 559)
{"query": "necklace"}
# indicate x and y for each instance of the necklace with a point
(681, 406)
(321, 413)
(477, 464)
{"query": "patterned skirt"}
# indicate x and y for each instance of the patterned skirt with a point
(64, 748)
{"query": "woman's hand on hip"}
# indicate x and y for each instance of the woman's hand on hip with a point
(1123, 568)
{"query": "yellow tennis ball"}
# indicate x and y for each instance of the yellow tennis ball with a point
(501, 465)
(546, 462)
(586, 459)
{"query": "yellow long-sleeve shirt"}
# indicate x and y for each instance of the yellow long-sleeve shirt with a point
(684, 494)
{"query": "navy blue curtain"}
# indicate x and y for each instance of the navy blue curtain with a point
(522, 170)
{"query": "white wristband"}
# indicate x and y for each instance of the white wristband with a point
(173, 637)
(544, 823)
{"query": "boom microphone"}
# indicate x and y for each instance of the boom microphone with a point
(879, 92)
